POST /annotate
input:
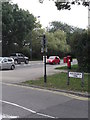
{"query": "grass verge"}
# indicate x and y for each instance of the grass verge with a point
(73, 68)
(59, 81)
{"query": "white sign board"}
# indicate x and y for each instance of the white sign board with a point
(75, 74)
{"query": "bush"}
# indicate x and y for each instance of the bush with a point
(79, 43)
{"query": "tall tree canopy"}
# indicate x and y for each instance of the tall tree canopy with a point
(57, 43)
(16, 24)
(80, 44)
(55, 25)
(66, 5)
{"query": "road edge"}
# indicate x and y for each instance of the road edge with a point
(81, 94)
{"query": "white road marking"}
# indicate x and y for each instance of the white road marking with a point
(45, 115)
(7, 116)
(32, 111)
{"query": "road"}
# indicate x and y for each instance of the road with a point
(27, 102)
(31, 71)
(25, 72)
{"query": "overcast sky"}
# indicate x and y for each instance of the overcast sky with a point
(77, 16)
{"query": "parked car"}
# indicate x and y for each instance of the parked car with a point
(53, 60)
(19, 57)
(7, 63)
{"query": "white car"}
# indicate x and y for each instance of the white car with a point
(7, 63)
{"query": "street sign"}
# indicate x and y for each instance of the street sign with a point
(75, 74)
(44, 44)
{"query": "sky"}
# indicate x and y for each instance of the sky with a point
(77, 16)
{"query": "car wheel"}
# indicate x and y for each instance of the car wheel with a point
(27, 61)
(15, 61)
(53, 63)
(12, 67)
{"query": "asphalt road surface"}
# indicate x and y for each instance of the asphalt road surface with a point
(28, 102)
(31, 71)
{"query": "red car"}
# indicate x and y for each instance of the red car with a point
(53, 60)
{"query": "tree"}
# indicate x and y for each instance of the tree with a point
(7, 22)
(56, 25)
(79, 40)
(16, 24)
(57, 43)
(37, 34)
(66, 5)
(79, 43)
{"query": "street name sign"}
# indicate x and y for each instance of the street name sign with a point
(75, 74)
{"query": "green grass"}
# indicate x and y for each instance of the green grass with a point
(73, 68)
(59, 81)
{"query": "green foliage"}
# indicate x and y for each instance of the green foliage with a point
(16, 24)
(57, 42)
(59, 81)
(18, 27)
(66, 5)
(74, 68)
(36, 43)
(55, 25)
(79, 46)
(78, 40)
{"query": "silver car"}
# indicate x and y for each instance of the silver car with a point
(7, 63)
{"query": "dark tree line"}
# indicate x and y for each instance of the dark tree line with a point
(16, 24)
(79, 41)
(21, 33)
(18, 29)
(80, 44)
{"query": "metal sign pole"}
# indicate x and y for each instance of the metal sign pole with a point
(44, 50)
(45, 77)
(82, 83)
(68, 79)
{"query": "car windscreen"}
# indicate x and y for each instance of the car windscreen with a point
(51, 57)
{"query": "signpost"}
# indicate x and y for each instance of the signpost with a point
(44, 51)
(76, 75)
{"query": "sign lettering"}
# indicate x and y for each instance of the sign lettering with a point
(75, 74)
